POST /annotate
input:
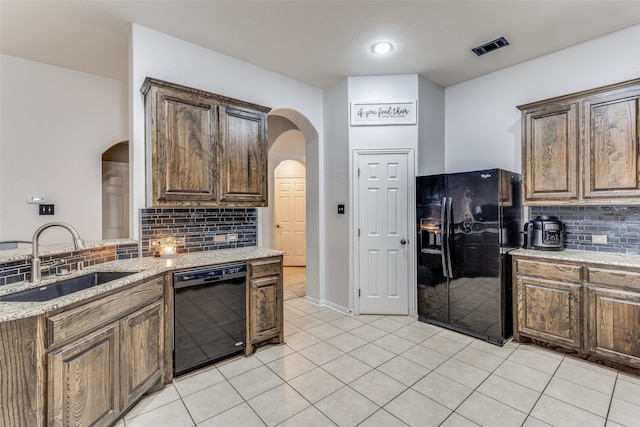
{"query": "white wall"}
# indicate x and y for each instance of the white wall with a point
(482, 123)
(430, 128)
(54, 127)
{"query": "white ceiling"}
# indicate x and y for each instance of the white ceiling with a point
(318, 42)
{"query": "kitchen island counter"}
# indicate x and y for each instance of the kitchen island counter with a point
(611, 259)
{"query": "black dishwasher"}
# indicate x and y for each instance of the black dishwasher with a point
(209, 315)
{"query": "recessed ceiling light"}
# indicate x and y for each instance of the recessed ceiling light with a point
(382, 48)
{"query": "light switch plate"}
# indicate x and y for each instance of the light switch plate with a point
(232, 237)
(599, 238)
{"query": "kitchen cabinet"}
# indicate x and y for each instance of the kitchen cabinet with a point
(265, 321)
(588, 308)
(582, 148)
(203, 149)
(548, 302)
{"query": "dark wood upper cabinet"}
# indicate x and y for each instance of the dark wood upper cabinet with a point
(582, 148)
(203, 149)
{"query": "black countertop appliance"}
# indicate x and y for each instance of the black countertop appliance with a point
(544, 233)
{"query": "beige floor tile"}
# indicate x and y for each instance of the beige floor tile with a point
(290, 330)
(625, 413)
(306, 322)
(321, 353)
(372, 355)
(427, 327)
(368, 333)
(515, 395)
(489, 412)
(241, 416)
(328, 315)
(578, 395)
(198, 380)
(627, 390)
(346, 368)
(537, 360)
(443, 390)
(462, 373)
(456, 420)
(291, 366)
(592, 366)
(479, 358)
(173, 414)
(523, 375)
(443, 345)
(292, 313)
(587, 376)
(236, 366)
(502, 352)
(278, 404)
(347, 323)
(424, 356)
(403, 370)
(382, 418)
(310, 417)
(346, 342)
(387, 324)
(270, 353)
(325, 331)
(457, 336)
(394, 343)
(629, 377)
(534, 422)
(316, 384)
(378, 387)
(211, 401)
(153, 401)
(368, 318)
(413, 334)
(417, 410)
(252, 383)
(346, 407)
(301, 340)
(310, 308)
(557, 413)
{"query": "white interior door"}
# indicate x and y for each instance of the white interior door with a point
(115, 200)
(290, 219)
(383, 217)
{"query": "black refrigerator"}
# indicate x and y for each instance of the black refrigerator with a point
(467, 225)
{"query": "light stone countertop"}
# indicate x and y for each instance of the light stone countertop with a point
(143, 268)
(610, 259)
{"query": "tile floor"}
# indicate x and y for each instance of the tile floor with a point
(387, 371)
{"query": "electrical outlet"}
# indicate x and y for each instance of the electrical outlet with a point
(46, 210)
(232, 237)
(599, 238)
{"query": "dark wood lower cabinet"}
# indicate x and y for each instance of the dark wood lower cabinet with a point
(591, 310)
(265, 321)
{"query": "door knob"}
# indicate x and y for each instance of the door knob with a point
(278, 226)
(403, 242)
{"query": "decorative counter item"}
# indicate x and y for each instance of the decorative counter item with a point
(168, 247)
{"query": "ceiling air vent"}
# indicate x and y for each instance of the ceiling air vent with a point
(491, 46)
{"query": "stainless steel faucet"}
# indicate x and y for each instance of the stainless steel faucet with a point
(78, 243)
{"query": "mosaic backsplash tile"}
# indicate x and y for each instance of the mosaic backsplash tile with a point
(621, 225)
(203, 229)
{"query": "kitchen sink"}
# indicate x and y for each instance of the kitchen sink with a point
(65, 287)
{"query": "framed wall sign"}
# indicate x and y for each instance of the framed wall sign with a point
(383, 113)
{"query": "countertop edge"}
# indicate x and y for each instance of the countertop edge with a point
(143, 268)
(610, 259)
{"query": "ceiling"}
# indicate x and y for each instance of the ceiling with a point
(317, 42)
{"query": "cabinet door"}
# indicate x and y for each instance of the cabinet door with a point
(613, 324)
(83, 381)
(550, 155)
(265, 308)
(612, 167)
(184, 155)
(549, 310)
(141, 352)
(243, 157)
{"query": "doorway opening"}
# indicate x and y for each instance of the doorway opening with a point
(115, 192)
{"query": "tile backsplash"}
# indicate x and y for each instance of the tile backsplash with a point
(202, 229)
(621, 225)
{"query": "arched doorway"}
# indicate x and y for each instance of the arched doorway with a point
(115, 192)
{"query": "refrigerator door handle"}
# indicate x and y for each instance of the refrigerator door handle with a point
(443, 232)
(449, 222)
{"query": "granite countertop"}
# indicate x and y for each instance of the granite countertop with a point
(610, 259)
(143, 268)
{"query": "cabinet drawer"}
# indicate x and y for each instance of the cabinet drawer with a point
(547, 270)
(81, 320)
(265, 267)
(620, 279)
